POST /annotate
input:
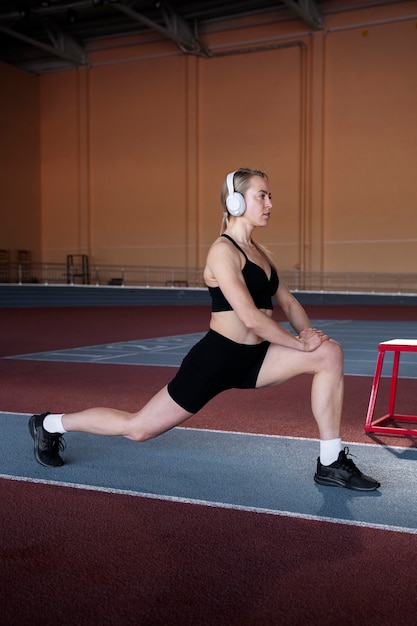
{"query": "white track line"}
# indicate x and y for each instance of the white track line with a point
(220, 505)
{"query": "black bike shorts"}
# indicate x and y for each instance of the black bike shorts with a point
(213, 365)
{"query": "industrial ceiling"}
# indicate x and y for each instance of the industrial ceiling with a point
(41, 36)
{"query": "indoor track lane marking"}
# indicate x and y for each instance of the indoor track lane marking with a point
(359, 339)
(219, 505)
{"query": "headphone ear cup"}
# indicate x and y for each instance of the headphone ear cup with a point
(235, 202)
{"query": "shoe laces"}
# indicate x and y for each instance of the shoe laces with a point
(56, 441)
(347, 463)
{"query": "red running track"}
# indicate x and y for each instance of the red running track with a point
(71, 556)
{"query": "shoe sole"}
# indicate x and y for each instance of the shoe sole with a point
(34, 435)
(331, 482)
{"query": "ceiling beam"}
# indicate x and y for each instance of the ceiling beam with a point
(176, 28)
(308, 10)
(63, 46)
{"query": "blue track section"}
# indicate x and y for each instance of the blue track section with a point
(268, 474)
(264, 473)
(359, 339)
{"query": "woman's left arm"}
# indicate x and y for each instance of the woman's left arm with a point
(293, 310)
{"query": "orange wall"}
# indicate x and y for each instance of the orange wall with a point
(138, 157)
(134, 149)
(370, 208)
(20, 227)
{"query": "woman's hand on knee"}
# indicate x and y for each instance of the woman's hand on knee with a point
(312, 339)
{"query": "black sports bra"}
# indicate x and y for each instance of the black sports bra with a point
(260, 287)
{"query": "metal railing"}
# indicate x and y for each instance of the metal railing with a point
(111, 275)
(156, 276)
(351, 282)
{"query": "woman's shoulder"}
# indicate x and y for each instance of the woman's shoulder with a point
(221, 244)
(223, 251)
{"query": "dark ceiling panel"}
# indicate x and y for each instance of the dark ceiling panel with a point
(48, 35)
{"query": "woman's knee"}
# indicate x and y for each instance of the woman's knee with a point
(332, 353)
(137, 436)
(135, 430)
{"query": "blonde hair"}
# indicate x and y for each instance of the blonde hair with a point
(241, 183)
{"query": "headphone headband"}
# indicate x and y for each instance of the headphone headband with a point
(230, 185)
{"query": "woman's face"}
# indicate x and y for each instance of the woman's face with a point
(258, 201)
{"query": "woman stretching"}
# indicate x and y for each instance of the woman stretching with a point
(243, 348)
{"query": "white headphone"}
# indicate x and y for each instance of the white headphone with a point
(235, 202)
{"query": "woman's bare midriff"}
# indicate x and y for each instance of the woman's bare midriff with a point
(228, 324)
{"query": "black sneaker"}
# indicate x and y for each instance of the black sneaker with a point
(344, 473)
(47, 445)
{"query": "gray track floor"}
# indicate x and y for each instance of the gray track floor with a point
(269, 474)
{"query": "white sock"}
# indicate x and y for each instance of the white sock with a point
(329, 450)
(53, 423)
